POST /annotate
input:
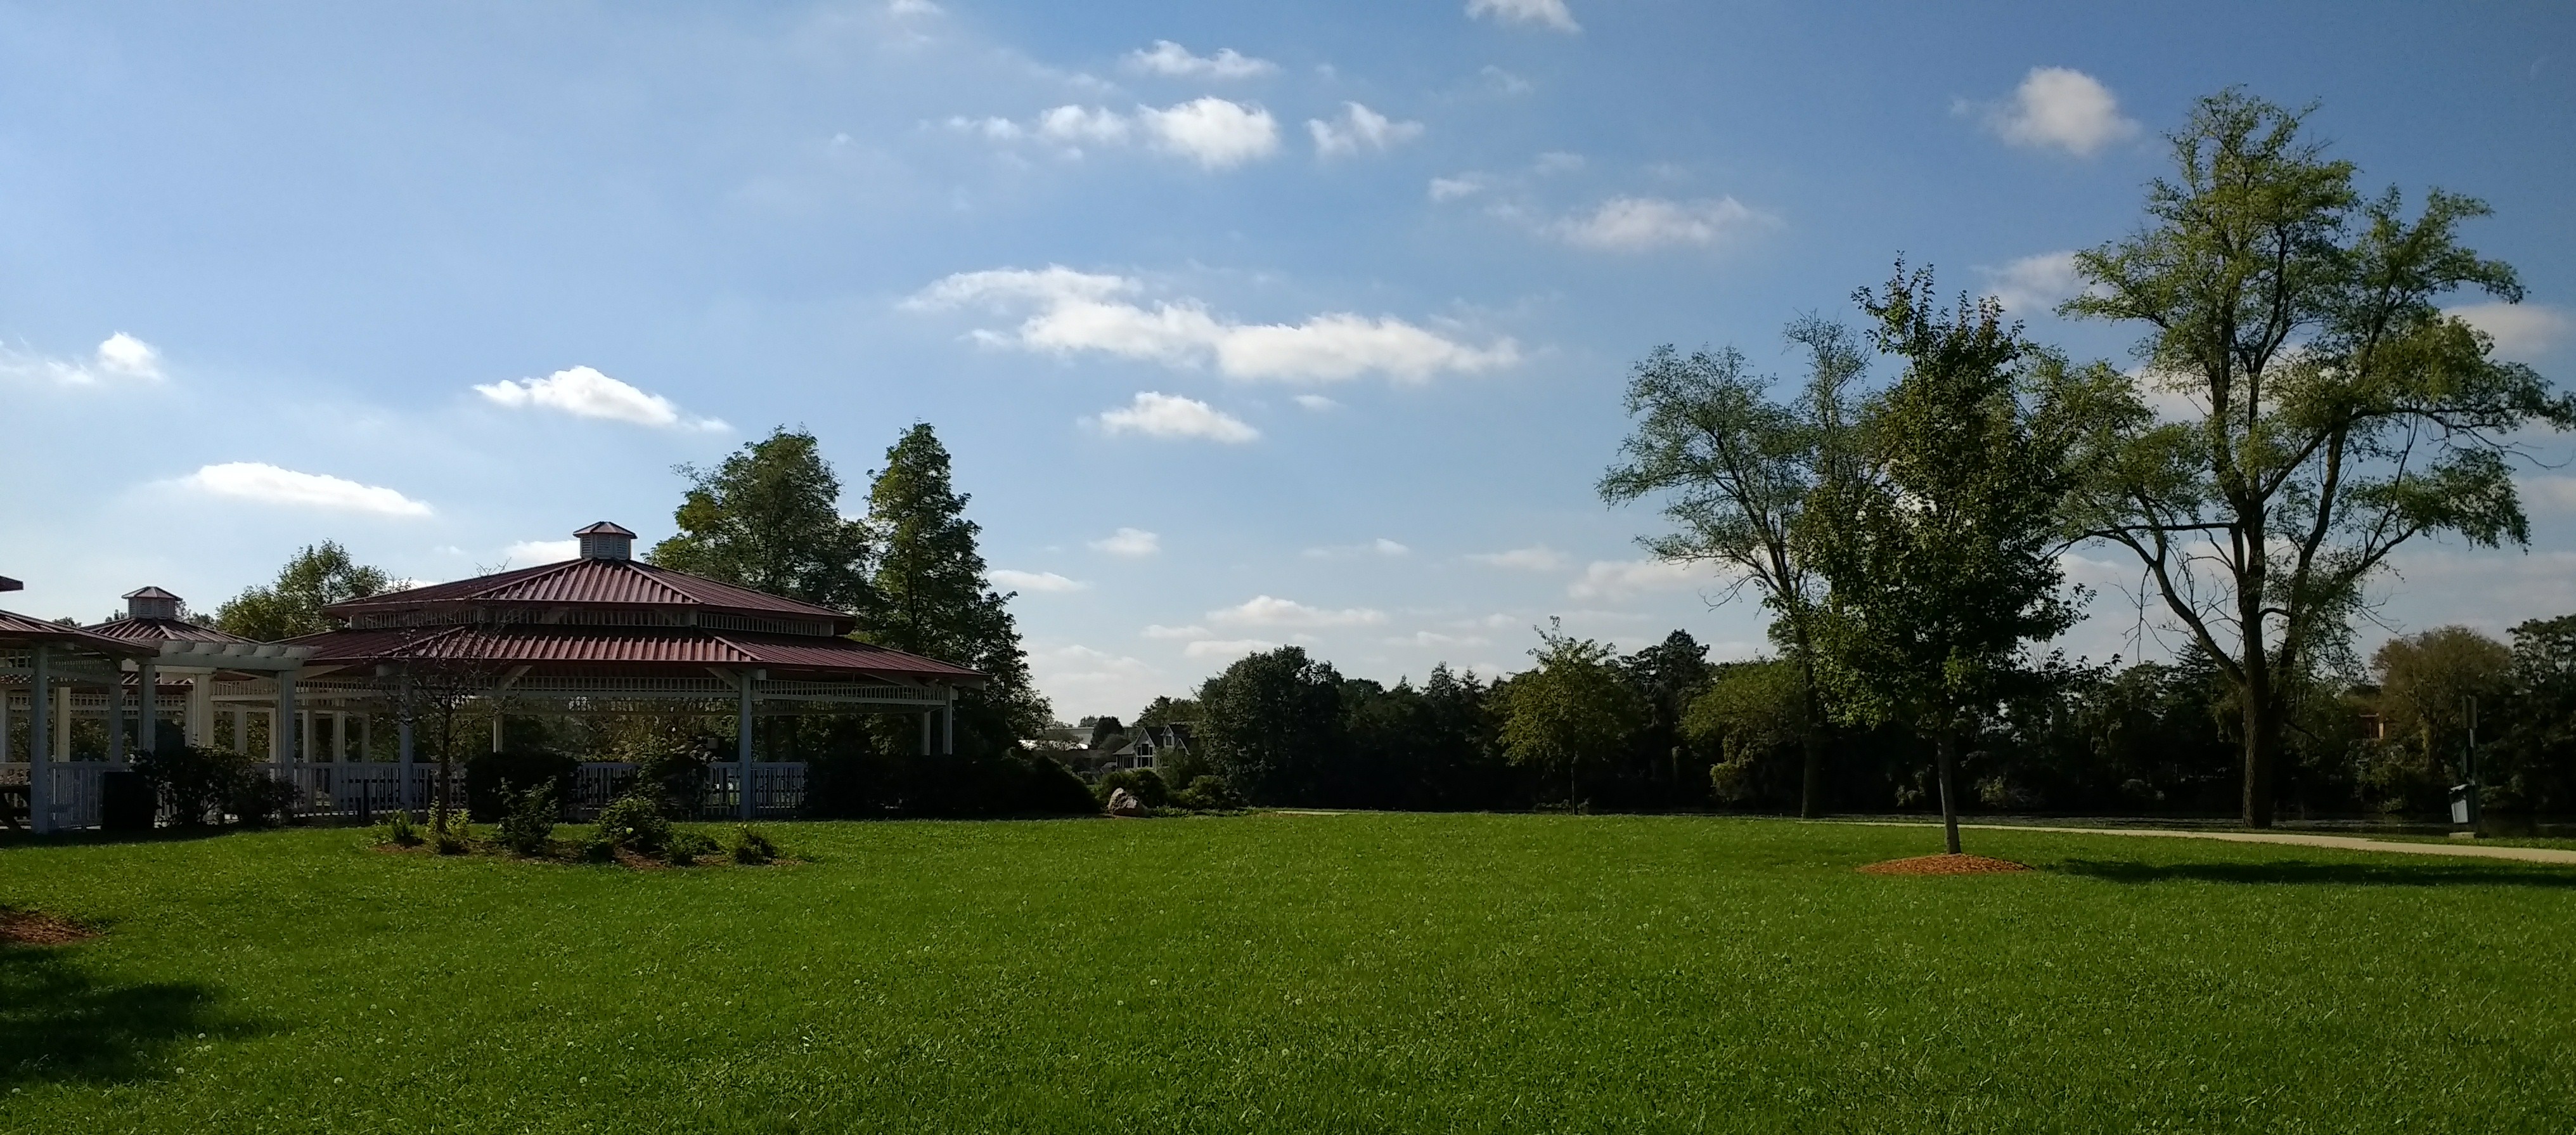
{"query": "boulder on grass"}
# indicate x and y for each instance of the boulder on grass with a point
(1125, 803)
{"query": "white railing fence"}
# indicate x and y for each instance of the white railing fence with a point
(363, 792)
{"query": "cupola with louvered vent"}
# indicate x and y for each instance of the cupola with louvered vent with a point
(606, 541)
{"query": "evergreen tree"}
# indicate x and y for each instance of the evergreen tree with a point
(769, 518)
(931, 598)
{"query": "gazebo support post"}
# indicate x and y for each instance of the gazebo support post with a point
(948, 725)
(115, 716)
(282, 734)
(742, 743)
(925, 732)
(199, 724)
(4, 728)
(402, 742)
(147, 729)
(40, 744)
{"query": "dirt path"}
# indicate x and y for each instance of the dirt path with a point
(2462, 849)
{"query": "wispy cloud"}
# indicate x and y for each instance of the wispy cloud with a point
(1380, 547)
(1082, 311)
(1551, 14)
(1359, 128)
(1268, 611)
(1131, 543)
(1175, 61)
(2059, 108)
(267, 484)
(120, 356)
(1172, 416)
(1158, 630)
(1643, 224)
(527, 552)
(1538, 557)
(2522, 332)
(1622, 579)
(2034, 284)
(584, 392)
(1215, 133)
(1033, 581)
(1227, 648)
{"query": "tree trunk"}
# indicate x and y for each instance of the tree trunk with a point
(1946, 745)
(1811, 740)
(2262, 754)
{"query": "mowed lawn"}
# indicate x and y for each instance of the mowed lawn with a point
(1293, 972)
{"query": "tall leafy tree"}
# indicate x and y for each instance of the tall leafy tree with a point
(1573, 707)
(2336, 412)
(1940, 549)
(768, 517)
(1735, 468)
(930, 595)
(1273, 725)
(314, 578)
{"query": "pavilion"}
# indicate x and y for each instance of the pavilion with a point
(599, 634)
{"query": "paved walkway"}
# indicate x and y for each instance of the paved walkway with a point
(2461, 849)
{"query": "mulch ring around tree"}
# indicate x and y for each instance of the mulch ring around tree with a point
(1943, 865)
(36, 928)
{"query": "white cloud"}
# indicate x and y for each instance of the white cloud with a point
(2035, 284)
(1079, 311)
(1172, 416)
(1033, 580)
(268, 484)
(1158, 630)
(1504, 82)
(1358, 128)
(1550, 13)
(2547, 494)
(1453, 188)
(1133, 543)
(1216, 133)
(912, 8)
(119, 356)
(1557, 161)
(2061, 108)
(1080, 679)
(1227, 648)
(1436, 639)
(1169, 58)
(1535, 558)
(1266, 611)
(2522, 332)
(527, 552)
(1637, 224)
(1378, 547)
(1317, 402)
(1621, 579)
(585, 393)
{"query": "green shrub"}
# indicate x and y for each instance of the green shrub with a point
(1143, 783)
(260, 801)
(1209, 794)
(529, 821)
(198, 784)
(456, 838)
(635, 823)
(493, 781)
(399, 830)
(685, 848)
(750, 846)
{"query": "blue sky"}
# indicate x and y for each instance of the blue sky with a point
(1247, 324)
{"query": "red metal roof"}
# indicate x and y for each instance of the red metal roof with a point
(678, 646)
(162, 630)
(27, 630)
(616, 583)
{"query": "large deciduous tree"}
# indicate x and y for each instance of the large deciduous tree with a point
(2334, 412)
(930, 595)
(768, 517)
(1939, 549)
(1735, 468)
(1573, 707)
(1272, 723)
(314, 578)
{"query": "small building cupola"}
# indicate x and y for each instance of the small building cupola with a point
(606, 541)
(151, 603)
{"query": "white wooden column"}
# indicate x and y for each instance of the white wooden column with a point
(40, 744)
(62, 750)
(305, 749)
(241, 731)
(115, 715)
(147, 729)
(282, 734)
(402, 740)
(199, 727)
(948, 725)
(4, 727)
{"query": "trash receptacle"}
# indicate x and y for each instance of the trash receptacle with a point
(2460, 804)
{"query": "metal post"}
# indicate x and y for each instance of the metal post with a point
(742, 744)
(147, 731)
(40, 744)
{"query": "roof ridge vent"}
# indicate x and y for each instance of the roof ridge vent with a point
(605, 541)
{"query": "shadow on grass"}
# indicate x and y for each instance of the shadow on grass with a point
(58, 1024)
(2298, 871)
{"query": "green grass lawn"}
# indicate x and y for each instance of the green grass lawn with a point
(1323, 973)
